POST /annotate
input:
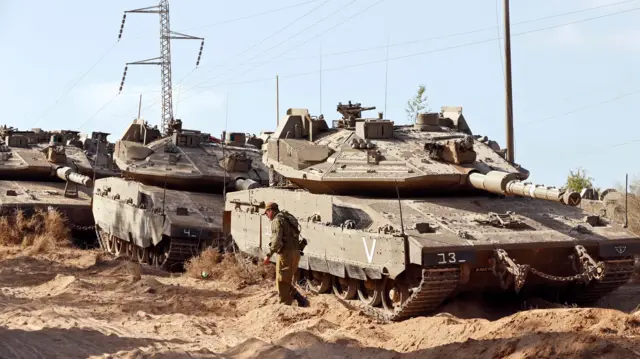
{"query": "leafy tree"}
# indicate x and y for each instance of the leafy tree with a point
(579, 180)
(417, 104)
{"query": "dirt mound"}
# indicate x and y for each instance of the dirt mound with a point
(254, 348)
(57, 286)
(84, 306)
(233, 268)
(164, 354)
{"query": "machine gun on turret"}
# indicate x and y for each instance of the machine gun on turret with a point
(350, 112)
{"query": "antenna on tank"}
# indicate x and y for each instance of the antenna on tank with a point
(277, 102)
(224, 135)
(95, 161)
(400, 207)
(386, 72)
(626, 200)
(164, 196)
(164, 60)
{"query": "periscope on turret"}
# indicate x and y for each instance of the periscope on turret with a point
(406, 217)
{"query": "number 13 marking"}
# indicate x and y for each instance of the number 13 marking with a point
(443, 258)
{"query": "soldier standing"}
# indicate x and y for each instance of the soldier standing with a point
(285, 242)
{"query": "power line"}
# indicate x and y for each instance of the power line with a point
(583, 107)
(439, 49)
(73, 85)
(409, 55)
(258, 43)
(285, 40)
(296, 34)
(447, 48)
(440, 37)
(98, 112)
(252, 16)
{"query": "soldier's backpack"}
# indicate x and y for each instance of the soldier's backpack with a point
(293, 221)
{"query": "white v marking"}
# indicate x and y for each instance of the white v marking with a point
(366, 249)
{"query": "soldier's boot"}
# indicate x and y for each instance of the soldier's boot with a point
(302, 301)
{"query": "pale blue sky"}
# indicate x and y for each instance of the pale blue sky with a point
(574, 85)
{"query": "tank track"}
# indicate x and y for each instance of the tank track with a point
(618, 272)
(180, 250)
(436, 285)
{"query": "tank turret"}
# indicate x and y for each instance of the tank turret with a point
(437, 154)
(187, 159)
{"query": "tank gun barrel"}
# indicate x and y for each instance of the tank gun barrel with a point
(68, 174)
(243, 184)
(508, 184)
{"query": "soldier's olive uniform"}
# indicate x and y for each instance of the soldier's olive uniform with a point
(284, 241)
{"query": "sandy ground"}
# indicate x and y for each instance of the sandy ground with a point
(76, 304)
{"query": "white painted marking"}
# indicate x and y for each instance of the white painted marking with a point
(366, 249)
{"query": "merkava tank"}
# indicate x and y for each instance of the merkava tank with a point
(169, 203)
(403, 218)
(50, 169)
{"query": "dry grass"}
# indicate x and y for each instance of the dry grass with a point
(634, 214)
(43, 231)
(233, 267)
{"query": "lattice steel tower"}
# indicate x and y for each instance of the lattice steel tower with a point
(164, 60)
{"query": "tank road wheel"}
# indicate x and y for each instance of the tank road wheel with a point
(318, 282)
(130, 249)
(345, 288)
(370, 291)
(159, 256)
(109, 244)
(141, 255)
(393, 296)
(118, 246)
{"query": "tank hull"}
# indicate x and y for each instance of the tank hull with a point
(29, 196)
(448, 246)
(154, 226)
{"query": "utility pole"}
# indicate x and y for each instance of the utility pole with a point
(507, 84)
(164, 60)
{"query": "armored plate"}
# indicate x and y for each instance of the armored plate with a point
(165, 226)
(28, 195)
(187, 159)
(447, 245)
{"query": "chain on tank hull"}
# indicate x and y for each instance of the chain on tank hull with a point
(449, 245)
(152, 225)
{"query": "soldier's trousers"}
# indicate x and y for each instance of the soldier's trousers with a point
(286, 267)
